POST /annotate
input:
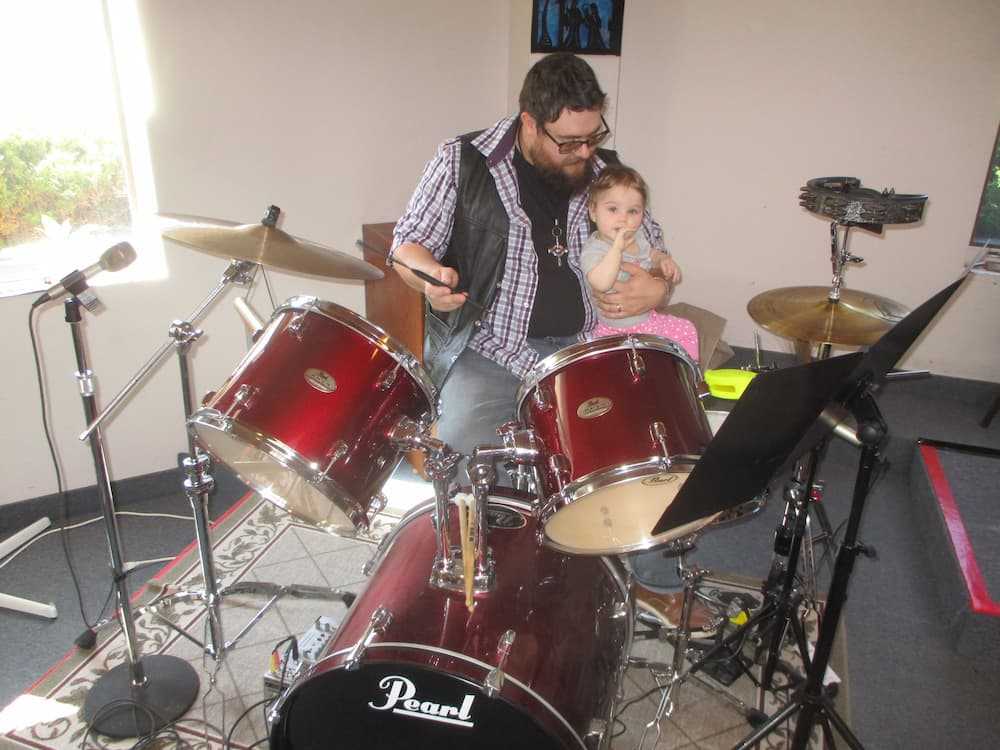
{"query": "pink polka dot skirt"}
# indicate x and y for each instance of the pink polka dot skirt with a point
(669, 326)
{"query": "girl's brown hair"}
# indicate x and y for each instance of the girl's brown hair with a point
(614, 175)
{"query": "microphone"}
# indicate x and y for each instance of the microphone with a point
(75, 283)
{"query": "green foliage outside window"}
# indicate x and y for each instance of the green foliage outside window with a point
(987, 228)
(72, 182)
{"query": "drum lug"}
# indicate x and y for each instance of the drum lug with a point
(297, 324)
(538, 398)
(380, 620)
(337, 452)
(635, 361)
(559, 468)
(659, 434)
(493, 683)
(242, 399)
(387, 378)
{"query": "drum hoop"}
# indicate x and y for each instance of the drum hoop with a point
(657, 541)
(430, 505)
(575, 352)
(601, 479)
(403, 646)
(374, 334)
(286, 457)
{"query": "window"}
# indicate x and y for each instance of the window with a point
(67, 192)
(986, 231)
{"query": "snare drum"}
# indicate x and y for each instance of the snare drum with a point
(411, 667)
(306, 416)
(619, 427)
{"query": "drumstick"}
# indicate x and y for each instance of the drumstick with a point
(424, 276)
(463, 538)
(470, 559)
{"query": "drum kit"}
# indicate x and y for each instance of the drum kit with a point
(492, 616)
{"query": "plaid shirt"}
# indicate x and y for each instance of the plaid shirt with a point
(428, 222)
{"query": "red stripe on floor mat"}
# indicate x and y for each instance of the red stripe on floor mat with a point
(979, 594)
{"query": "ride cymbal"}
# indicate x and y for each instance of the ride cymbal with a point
(805, 313)
(267, 245)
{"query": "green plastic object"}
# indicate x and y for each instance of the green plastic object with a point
(728, 383)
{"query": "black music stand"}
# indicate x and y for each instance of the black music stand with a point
(738, 463)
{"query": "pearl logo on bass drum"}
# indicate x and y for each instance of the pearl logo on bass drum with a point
(400, 698)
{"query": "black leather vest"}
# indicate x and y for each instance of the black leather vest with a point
(478, 251)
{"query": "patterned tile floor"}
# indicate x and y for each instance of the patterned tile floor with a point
(270, 546)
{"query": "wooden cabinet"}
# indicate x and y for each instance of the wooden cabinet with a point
(389, 303)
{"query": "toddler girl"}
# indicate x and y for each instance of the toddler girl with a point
(617, 203)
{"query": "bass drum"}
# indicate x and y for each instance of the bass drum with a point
(428, 676)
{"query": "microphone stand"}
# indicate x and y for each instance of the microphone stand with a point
(146, 692)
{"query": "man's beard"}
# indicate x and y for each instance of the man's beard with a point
(555, 177)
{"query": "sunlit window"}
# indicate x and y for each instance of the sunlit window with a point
(986, 232)
(68, 187)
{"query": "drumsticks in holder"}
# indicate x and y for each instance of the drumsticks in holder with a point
(466, 527)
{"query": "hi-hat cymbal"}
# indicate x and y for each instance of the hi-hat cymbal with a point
(805, 313)
(267, 245)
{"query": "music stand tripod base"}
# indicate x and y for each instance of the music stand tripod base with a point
(116, 708)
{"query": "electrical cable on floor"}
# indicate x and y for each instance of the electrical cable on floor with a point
(89, 521)
(232, 730)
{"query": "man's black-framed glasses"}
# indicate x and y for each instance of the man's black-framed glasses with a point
(568, 147)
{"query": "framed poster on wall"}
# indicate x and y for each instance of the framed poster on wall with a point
(587, 27)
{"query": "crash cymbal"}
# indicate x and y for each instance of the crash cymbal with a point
(806, 313)
(267, 245)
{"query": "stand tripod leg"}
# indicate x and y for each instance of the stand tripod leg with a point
(773, 723)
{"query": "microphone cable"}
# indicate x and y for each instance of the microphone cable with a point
(63, 500)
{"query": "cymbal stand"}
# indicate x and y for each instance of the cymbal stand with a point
(146, 692)
(814, 700)
(840, 256)
(198, 485)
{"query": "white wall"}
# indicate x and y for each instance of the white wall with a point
(729, 109)
(327, 109)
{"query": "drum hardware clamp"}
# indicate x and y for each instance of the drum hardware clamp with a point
(447, 571)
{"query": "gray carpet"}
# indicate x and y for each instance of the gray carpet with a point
(908, 687)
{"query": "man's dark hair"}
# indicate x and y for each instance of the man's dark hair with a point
(557, 82)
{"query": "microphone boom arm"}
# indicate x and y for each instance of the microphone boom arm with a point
(238, 273)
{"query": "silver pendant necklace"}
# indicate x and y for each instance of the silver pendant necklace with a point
(557, 249)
